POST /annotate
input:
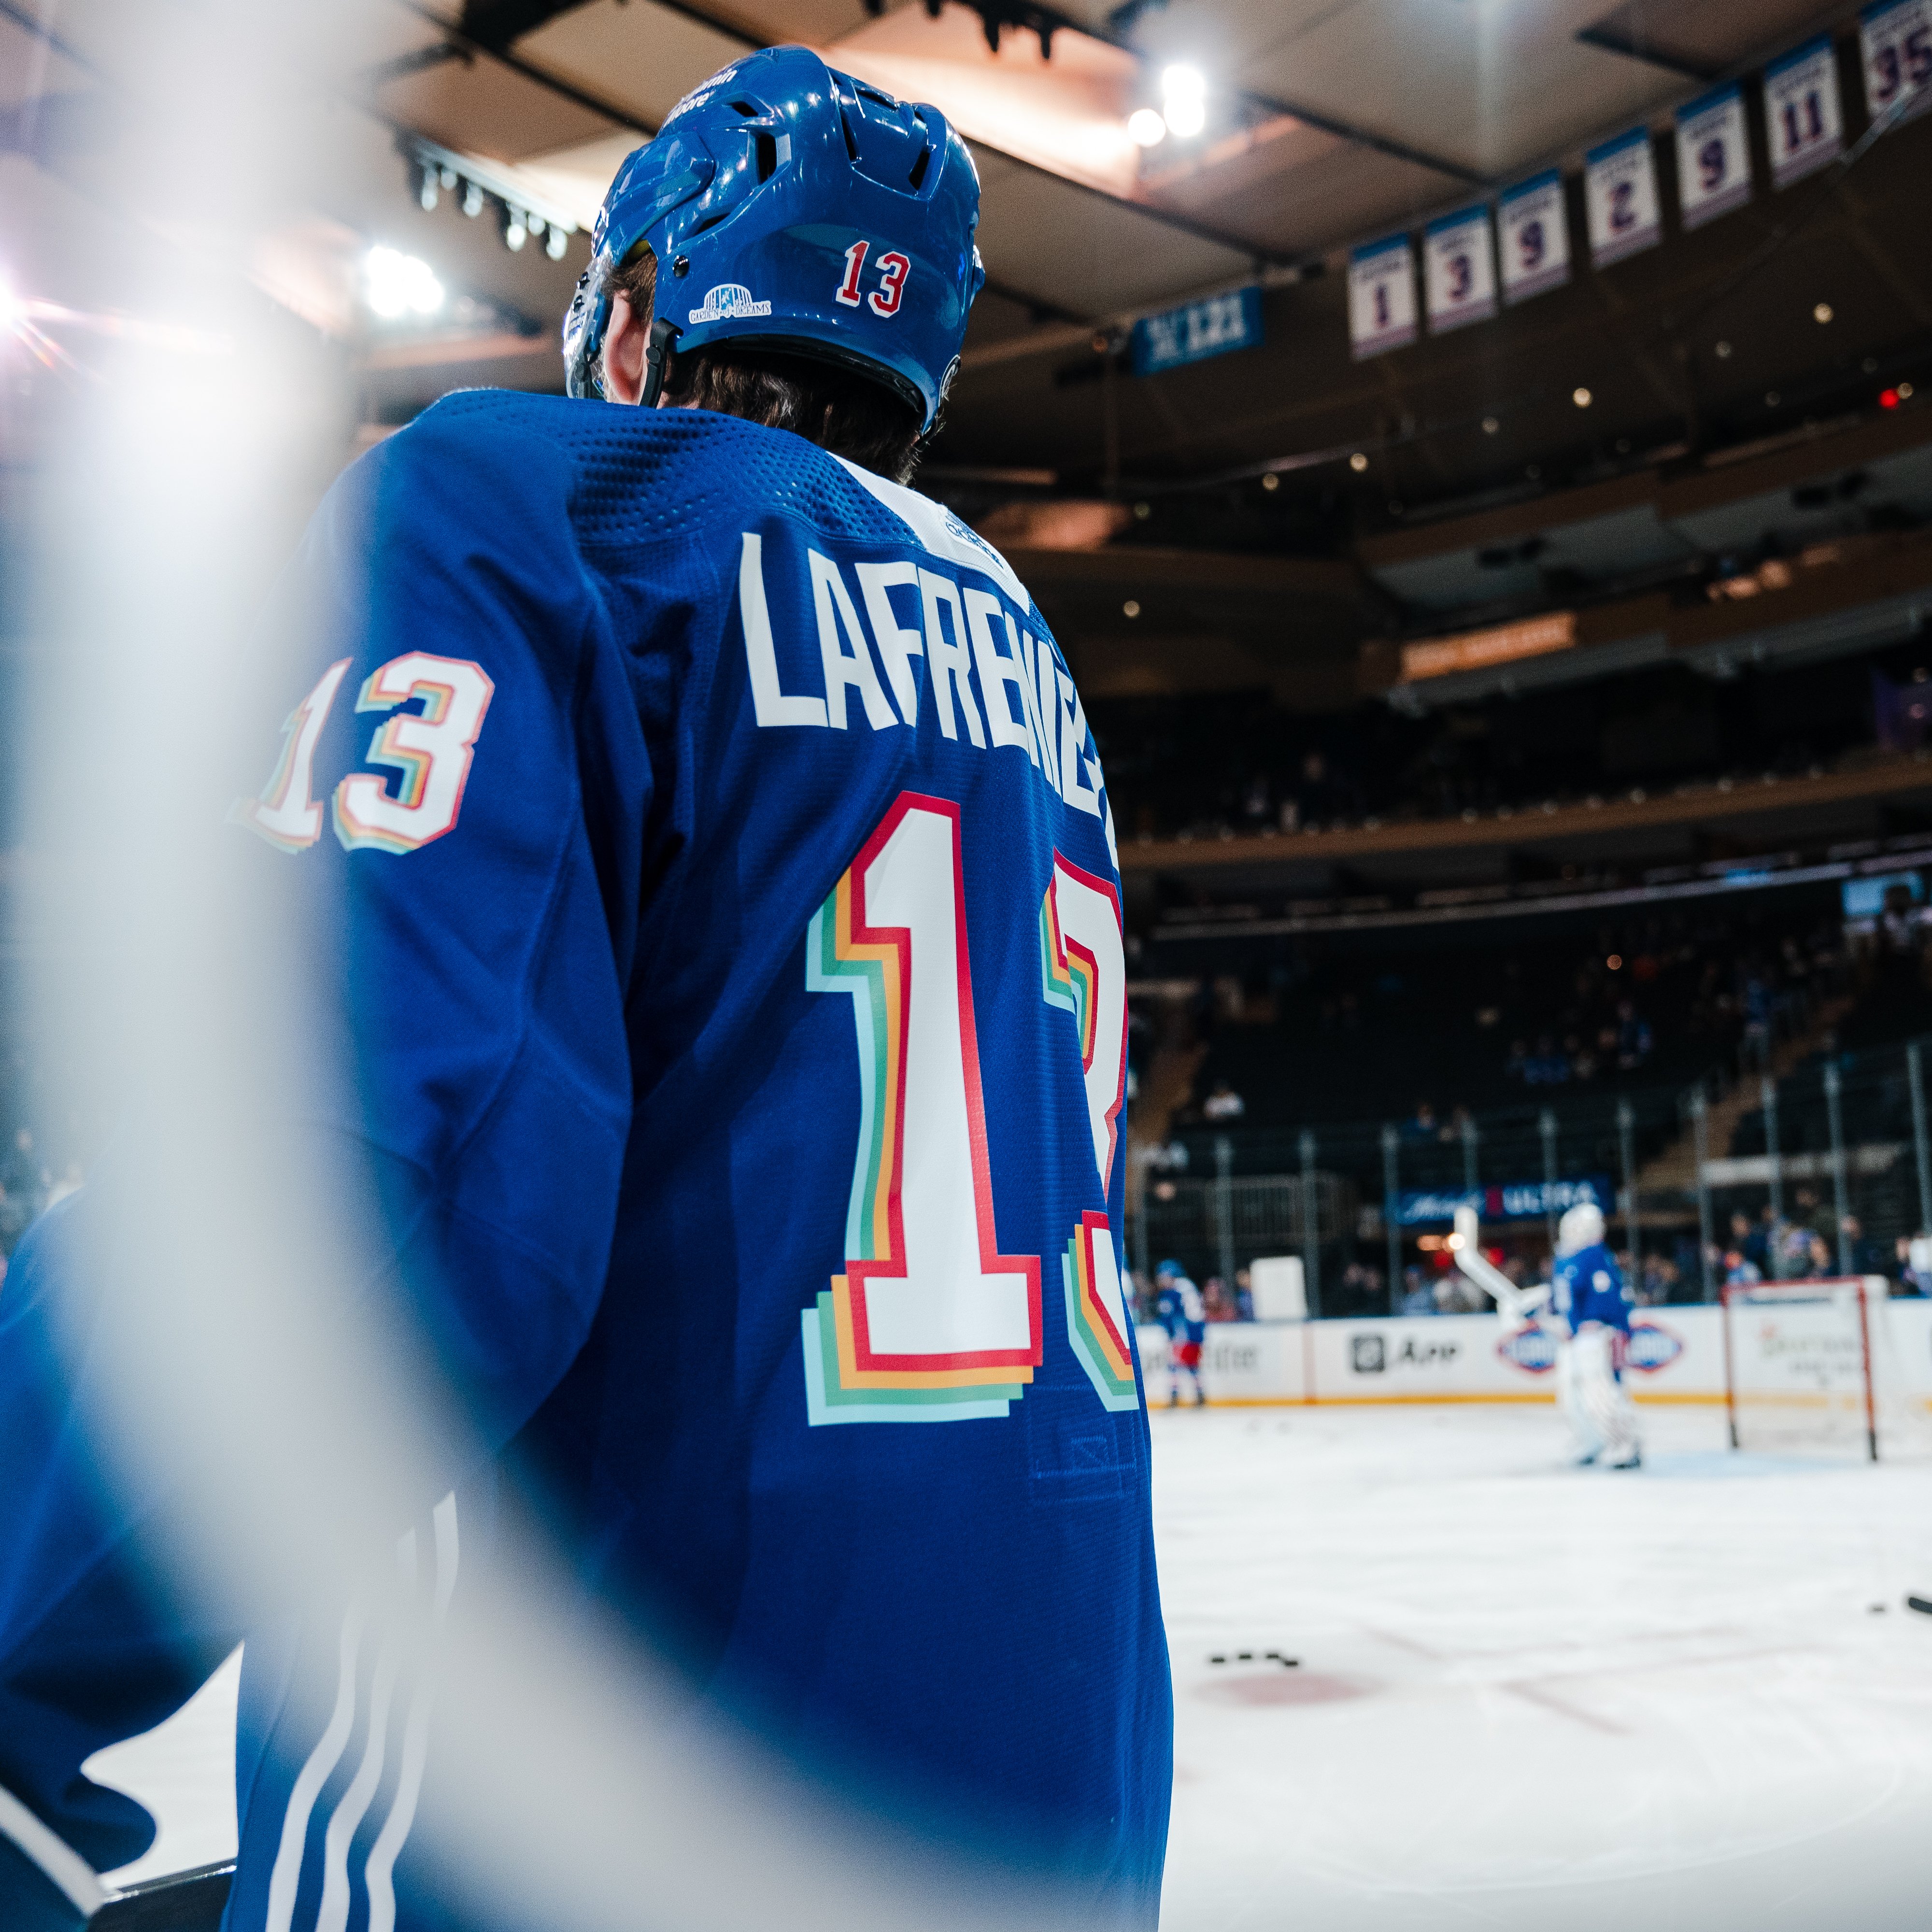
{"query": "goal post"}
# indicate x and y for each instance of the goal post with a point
(1812, 1365)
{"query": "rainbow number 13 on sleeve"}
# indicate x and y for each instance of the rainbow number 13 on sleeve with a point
(430, 751)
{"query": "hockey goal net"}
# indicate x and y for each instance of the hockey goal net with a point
(1815, 1365)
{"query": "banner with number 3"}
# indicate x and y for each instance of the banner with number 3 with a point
(1459, 276)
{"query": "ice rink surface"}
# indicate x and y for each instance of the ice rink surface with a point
(1526, 1696)
(1533, 1696)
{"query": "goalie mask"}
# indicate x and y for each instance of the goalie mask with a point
(793, 208)
(1581, 1227)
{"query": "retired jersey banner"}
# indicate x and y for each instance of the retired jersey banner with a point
(1381, 296)
(1802, 119)
(1714, 166)
(1459, 276)
(1620, 196)
(1197, 331)
(1535, 226)
(1896, 39)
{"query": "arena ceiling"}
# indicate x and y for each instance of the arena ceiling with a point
(1325, 122)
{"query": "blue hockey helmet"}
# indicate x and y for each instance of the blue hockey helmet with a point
(792, 207)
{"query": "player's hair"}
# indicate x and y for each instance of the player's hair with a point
(839, 409)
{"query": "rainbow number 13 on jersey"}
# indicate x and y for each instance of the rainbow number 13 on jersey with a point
(929, 1322)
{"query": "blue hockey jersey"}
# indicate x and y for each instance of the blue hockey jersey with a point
(1589, 1286)
(1181, 1311)
(718, 917)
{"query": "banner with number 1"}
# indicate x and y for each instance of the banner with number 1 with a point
(1381, 296)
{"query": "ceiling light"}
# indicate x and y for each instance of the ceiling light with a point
(1821, 313)
(1358, 462)
(398, 285)
(1184, 100)
(1581, 396)
(1131, 608)
(556, 243)
(1724, 351)
(1905, 392)
(1490, 425)
(428, 187)
(1145, 127)
(1271, 482)
(515, 231)
(473, 199)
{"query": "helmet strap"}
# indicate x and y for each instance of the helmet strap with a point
(656, 354)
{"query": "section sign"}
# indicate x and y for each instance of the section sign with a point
(1459, 275)
(1802, 118)
(1713, 165)
(1381, 296)
(1198, 330)
(1535, 237)
(1620, 196)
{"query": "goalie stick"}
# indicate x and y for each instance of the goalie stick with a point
(1512, 1304)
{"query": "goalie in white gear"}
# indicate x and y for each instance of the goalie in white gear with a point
(1590, 1315)
(1589, 1296)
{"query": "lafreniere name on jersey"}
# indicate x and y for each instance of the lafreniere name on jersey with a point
(989, 681)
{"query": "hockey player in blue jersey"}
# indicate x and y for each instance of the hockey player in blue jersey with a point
(1589, 1298)
(716, 933)
(1178, 1307)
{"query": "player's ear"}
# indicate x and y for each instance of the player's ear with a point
(625, 340)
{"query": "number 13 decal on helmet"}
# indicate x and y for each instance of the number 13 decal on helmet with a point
(893, 269)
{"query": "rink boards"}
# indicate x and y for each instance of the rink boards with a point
(1677, 1355)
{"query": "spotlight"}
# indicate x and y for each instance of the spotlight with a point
(1358, 462)
(1130, 608)
(556, 242)
(1821, 313)
(1490, 425)
(1723, 351)
(473, 199)
(397, 285)
(1271, 482)
(1145, 127)
(1581, 396)
(516, 232)
(1184, 102)
(1905, 392)
(428, 186)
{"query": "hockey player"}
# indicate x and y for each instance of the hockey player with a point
(1589, 1298)
(718, 944)
(1181, 1313)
